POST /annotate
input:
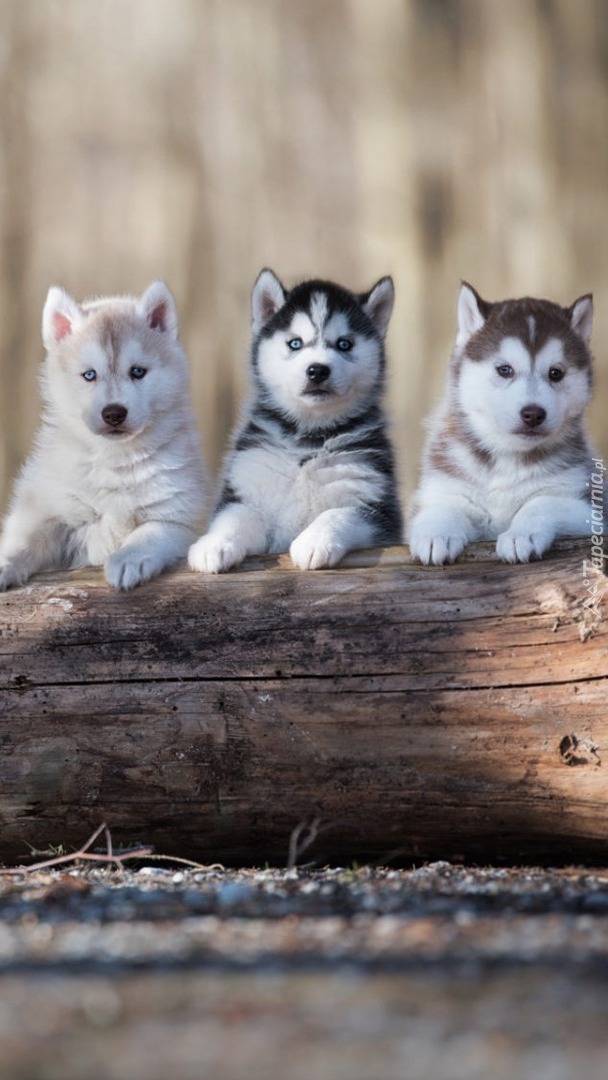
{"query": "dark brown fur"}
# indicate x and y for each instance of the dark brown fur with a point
(510, 318)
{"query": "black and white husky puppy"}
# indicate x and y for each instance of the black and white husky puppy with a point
(507, 457)
(311, 468)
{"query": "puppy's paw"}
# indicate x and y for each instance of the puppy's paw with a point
(210, 555)
(312, 550)
(126, 569)
(521, 545)
(12, 576)
(436, 549)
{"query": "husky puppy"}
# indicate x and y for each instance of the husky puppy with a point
(116, 474)
(507, 457)
(311, 468)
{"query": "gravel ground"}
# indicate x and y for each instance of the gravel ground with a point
(367, 974)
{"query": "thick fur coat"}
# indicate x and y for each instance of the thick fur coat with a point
(116, 475)
(507, 456)
(311, 467)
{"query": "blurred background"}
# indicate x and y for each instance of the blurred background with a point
(200, 140)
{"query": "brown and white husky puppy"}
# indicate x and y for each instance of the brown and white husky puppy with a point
(507, 456)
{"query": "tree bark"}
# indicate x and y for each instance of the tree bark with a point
(402, 712)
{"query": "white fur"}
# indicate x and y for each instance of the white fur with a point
(267, 297)
(304, 509)
(353, 374)
(470, 318)
(128, 498)
(492, 404)
(524, 505)
(313, 508)
(581, 318)
(379, 304)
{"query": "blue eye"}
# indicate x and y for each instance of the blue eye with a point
(90, 376)
(295, 343)
(344, 344)
(137, 372)
(505, 371)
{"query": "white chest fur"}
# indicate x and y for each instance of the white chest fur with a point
(290, 488)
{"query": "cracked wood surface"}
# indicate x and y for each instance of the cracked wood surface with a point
(416, 712)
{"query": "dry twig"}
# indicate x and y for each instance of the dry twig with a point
(301, 839)
(109, 857)
(85, 854)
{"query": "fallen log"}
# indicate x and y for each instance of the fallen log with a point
(382, 711)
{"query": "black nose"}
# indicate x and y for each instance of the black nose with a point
(114, 415)
(318, 373)
(533, 415)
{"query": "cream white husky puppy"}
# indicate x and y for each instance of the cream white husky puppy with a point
(116, 474)
(311, 470)
(507, 457)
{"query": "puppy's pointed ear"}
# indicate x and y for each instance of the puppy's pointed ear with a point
(472, 312)
(267, 297)
(60, 315)
(378, 304)
(581, 317)
(157, 307)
